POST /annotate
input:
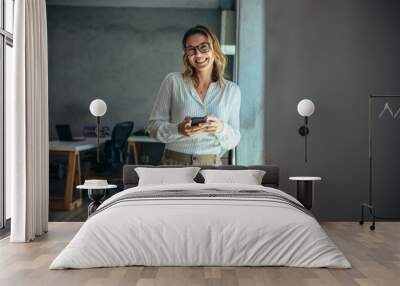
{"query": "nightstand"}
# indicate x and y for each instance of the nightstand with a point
(305, 190)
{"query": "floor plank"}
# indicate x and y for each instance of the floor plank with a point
(375, 257)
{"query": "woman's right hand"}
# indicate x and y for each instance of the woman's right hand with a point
(185, 128)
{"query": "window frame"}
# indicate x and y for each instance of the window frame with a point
(6, 38)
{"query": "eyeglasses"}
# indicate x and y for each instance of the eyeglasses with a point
(202, 48)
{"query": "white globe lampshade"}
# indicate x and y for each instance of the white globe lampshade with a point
(98, 107)
(305, 107)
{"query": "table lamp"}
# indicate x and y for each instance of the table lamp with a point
(305, 108)
(98, 108)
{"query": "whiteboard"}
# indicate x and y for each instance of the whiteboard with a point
(384, 130)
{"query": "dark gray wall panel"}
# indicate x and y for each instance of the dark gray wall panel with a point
(335, 53)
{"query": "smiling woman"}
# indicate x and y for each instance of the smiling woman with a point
(200, 91)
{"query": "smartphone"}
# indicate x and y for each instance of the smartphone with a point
(197, 120)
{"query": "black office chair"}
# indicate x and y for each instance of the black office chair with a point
(114, 156)
(116, 150)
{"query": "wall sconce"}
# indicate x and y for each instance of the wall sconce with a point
(305, 108)
(98, 108)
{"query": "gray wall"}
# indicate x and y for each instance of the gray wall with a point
(336, 53)
(118, 54)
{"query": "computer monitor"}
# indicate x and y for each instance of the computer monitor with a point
(64, 133)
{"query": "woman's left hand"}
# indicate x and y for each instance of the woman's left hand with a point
(213, 125)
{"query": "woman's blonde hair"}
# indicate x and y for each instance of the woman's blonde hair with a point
(219, 58)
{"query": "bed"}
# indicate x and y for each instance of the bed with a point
(197, 224)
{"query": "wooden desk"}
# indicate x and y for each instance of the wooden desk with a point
(134, 146)
(71, 149)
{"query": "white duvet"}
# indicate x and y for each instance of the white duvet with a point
(200, 231)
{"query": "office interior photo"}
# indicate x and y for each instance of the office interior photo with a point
(199, 142)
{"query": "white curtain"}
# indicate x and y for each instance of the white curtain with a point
(27, 124)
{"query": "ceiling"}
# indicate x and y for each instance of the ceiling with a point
(199, 4)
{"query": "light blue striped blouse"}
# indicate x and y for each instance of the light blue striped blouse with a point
(178, 98)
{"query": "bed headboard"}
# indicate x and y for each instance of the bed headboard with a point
(270, 179)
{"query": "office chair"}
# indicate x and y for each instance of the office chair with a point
(114, 156)
(116, 149)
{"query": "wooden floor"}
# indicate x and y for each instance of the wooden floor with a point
(375, 257)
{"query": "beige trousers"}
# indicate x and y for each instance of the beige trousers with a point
(177, 158)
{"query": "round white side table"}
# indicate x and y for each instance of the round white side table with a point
(305, 189)
(96, 195)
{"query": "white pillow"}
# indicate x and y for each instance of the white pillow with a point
(165, 176)
(248, 177)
